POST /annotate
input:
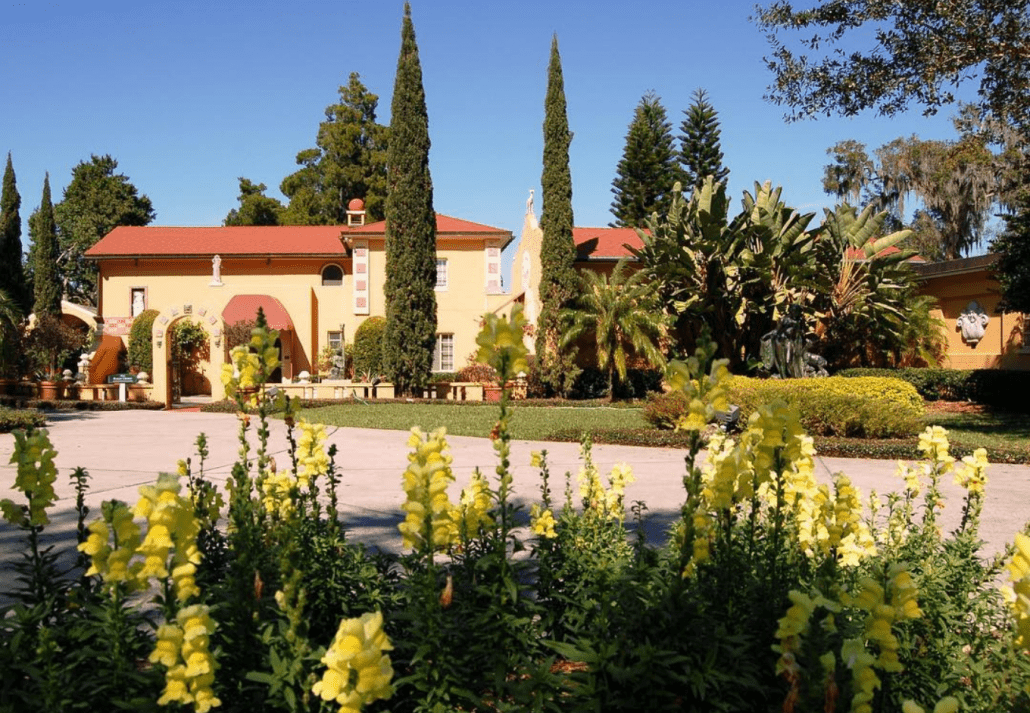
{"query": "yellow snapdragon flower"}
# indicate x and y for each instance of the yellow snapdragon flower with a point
(473, 513)
(971, 472)
(183, 648)
(1018, 595)
(425, 482)
(358, 672)
(542, 522)
(36, 473)
(933, 444)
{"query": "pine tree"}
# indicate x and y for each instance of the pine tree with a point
(348, 161)
(648, 169)
(410, 334)
(255, 207)
(96, 201)
(47, 281)
(700, 154)
(1012, 271)
(559, 284)
(12, 276)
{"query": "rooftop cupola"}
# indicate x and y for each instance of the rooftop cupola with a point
(356, 212)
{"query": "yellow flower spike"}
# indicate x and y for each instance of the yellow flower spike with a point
(542, 522)
(358, 648)
(36, 473)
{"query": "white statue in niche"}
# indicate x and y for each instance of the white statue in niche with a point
(216, 270)
(137, 302)
(972, 322)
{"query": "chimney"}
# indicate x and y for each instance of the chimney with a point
(355, 212)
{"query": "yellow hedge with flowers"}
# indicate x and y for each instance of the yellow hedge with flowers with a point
(869, 407)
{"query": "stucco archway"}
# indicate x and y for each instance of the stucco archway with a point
(212, 324)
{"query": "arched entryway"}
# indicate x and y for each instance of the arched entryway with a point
(209, 368)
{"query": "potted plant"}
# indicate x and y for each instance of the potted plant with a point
(483, 374)
(49, 342)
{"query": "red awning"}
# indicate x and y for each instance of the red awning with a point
(245, 307)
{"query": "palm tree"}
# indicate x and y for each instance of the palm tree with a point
(624, 316)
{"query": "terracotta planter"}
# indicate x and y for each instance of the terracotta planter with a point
(50, 390)
(491, 392)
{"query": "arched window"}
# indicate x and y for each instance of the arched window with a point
(332, 275)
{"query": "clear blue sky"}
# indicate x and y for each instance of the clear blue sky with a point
(187, 96)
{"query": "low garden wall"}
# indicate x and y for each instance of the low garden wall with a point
(447, 391)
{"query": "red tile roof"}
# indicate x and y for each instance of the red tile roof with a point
(241, 240)
(245, 307)
(445, 224)
(605, 243)
(258, 240)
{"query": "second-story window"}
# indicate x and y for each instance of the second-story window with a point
(332, 275)
(441, 273)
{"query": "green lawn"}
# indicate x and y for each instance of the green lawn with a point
(993, 431)
(527, 423)
(1006, 436)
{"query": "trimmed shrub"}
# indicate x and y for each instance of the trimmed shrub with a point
(873, 407)
(998, 388)
(664, 410)
(476, 372)
(367, 354)
(141, 348)
(12, 420)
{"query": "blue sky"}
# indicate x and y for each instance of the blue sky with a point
(188, 96)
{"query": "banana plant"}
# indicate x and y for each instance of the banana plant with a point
(862, 290)
(734, 273)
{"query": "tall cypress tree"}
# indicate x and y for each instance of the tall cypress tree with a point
(12, 276)
(47, 282)
(648, 169)
(559, 284)
(410, 228)
(700, 154)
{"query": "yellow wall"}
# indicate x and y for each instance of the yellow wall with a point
(1003, 342)
(296, 282)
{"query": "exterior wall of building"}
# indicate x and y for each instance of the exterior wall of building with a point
(1004, 344)
(176, 287)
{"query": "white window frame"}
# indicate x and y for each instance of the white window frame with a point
(339, 338)
(443, 353)
(441, 274)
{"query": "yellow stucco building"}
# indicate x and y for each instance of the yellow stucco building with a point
(979, 335)
(316, 284)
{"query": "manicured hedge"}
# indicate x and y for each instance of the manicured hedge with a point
(20, 402)
(872, 407)
(141, 348)
(998, 388)
(367, 352)
(11, 420)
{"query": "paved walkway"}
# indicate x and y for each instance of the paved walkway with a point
(125, 449)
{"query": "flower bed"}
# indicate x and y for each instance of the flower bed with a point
(775, 592)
